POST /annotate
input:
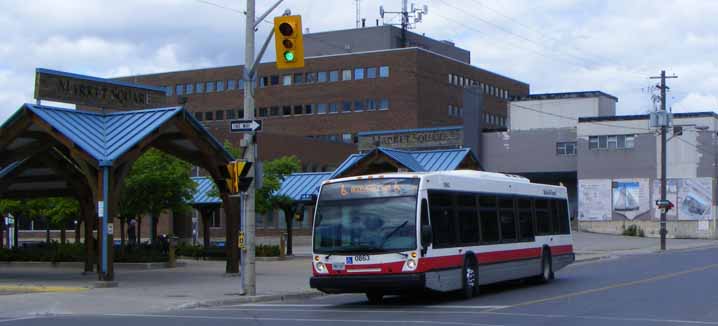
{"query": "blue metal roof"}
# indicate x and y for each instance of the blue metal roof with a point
(298, 184)
(202, 194)
(415, 161)
(349, 162)
(108, 136)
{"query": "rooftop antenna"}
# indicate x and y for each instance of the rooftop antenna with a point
(409, 17)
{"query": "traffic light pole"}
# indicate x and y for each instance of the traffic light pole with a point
(248, 259)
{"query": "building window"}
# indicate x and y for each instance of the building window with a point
(168, 90)
(188, 89)
(311, 77)
(240, 84)
(262, 112)
(566, 148)
(198, 116)
(231, 114)
(286, 110)
(286, 80)
(209, 116)
(346, 74)
(220, 85)
(322, 77)
(231, 85)
(321, 108)
(612, 142)
(370, 104)
(371, 72)
(384, 104)
(358, 73)
(219, 115)
(199, 88)
(347, 138)
(240, 113)
(346, 106)
(179, 89)
(450, 78)
(384, 72)
(298, 78)
(334, 107)
(298, 109)
(274, 111)
(308, 108)
(274, 80)
(358, 106)
(334, 76)
(210, 87)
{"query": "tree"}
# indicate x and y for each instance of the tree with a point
(40, 208)
(60, 212)
(267, 200)
(157, 182)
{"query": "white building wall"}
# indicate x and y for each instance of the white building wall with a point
(523, 115)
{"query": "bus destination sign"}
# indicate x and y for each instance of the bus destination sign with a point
(371, 188)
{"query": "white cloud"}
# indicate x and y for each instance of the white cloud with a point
(611, 46)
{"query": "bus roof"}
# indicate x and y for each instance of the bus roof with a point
(457, 173)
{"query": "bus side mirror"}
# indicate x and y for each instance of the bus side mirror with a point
(426, 236)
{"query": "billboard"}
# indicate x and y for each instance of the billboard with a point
(594, 200)
(630, 198)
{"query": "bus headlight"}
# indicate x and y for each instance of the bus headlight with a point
(321, 268)
(410, 265)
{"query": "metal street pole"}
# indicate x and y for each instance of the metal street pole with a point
(664, 149)
(249, 228)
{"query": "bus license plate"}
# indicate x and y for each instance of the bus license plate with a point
(338, 266)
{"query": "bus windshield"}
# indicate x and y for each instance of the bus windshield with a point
(366, 216)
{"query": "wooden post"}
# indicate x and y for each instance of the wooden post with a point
(231, 232)
(204, 212)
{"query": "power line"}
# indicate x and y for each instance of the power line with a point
(580, 61)
(221, 6)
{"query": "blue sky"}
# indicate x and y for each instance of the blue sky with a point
(554, 45)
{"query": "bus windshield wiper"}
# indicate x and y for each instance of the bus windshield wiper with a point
(390, 234)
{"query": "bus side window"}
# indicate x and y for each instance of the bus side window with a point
(543, 216)
(443, 222)
(489, 219)
(562, 224)
(526, 228)
(467, 218)
(508, 219)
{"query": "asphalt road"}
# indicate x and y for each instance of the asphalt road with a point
(674, 288)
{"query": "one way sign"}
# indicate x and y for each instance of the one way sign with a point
(245, 125)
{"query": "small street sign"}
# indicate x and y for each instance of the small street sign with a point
(240, 243)
(245, 125)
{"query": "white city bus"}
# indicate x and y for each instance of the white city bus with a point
(443, 231)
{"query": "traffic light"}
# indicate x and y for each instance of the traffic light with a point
(288, 42)
(238, 180)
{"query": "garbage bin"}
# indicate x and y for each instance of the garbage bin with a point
(171, 252)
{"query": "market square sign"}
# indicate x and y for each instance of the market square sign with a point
(428, 138)
(82, 90)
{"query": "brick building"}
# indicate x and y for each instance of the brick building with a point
(321, 108)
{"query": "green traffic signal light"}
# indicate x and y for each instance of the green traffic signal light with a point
(289, 56)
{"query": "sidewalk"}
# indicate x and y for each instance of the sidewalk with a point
(205, 283)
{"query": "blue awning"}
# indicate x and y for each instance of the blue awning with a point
(301, 186)
(203, 193)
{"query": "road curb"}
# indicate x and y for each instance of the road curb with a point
(251, 299)
(41, 289)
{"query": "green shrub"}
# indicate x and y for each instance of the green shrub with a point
(634, 231)
(55, 252)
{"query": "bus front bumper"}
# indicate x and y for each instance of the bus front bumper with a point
(392, 283)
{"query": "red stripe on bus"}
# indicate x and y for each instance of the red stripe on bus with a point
(455, 261)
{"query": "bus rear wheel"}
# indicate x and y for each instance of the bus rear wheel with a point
(470, 279)
(375, 298)
(546, 269)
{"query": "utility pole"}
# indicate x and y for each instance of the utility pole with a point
(250, 153)
(664, 129)
(249, 228)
